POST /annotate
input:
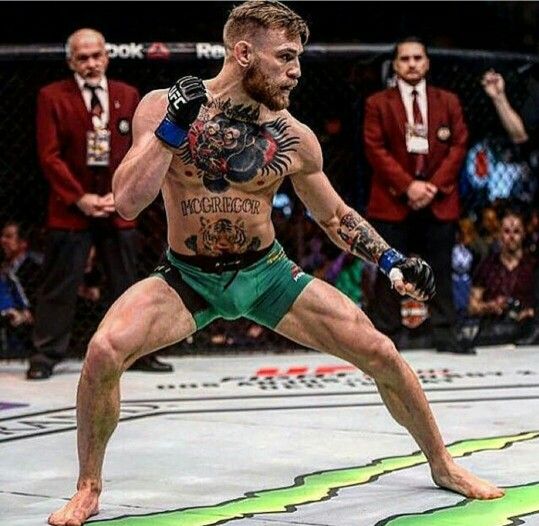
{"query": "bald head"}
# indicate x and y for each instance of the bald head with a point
(87, 54)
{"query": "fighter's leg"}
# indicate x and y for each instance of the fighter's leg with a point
(148, 316)
(323, 318)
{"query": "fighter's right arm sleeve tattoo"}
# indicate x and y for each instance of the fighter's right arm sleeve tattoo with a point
(362, 239)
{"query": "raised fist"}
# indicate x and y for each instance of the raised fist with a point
(184, 100)
(493, 84)
(412, 276)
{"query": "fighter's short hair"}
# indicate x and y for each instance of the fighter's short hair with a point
(246, 18)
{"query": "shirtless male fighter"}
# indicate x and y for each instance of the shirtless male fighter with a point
(218, 150)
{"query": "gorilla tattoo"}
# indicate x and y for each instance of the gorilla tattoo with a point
(226, 149)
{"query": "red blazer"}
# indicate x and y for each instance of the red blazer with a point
(393, 166)
(62, 123)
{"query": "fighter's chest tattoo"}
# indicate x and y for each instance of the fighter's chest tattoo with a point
(230, 147)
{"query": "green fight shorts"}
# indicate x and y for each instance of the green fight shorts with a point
(260, 286)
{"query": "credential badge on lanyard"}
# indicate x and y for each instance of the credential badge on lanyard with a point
(416, 138)
(98, 142)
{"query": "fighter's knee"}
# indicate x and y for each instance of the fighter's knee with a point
(383, 356)
(102, 357)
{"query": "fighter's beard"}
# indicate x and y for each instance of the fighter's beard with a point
(259, 88)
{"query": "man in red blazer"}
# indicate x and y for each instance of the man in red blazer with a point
(83, 133)
(415, 141)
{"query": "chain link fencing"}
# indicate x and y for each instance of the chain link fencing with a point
(336, 79)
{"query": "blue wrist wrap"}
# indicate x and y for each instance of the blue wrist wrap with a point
(170, 133)
(389, 259)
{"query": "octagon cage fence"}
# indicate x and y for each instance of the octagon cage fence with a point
(330, 98)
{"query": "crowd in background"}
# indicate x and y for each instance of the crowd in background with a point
(493, 258)
(497, 184)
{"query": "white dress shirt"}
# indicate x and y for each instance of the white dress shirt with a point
(102, 94)
(405, 90)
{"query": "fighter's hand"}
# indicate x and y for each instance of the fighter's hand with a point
(416, 279)
(184, 100)
(411, 276)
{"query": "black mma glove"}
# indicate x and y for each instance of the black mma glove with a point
(413, 270)
(184, 101)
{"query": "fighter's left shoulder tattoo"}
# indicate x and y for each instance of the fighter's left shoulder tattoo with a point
(232, 147)
(361, 237)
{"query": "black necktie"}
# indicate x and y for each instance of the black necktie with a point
(95, 105)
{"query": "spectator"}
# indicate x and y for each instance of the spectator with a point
(494, 85)
(505, 172)
(415, 142)
(462, 261)
(470, 249)
(19, 275)
(489, 229)
(501, 295)
(532, 233)
(522, 130)
(83, 132)
(469, 236)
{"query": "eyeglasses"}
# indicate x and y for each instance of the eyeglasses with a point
(512, 231)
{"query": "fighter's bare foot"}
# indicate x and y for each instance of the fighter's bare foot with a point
(81, 507)
(460, 480)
